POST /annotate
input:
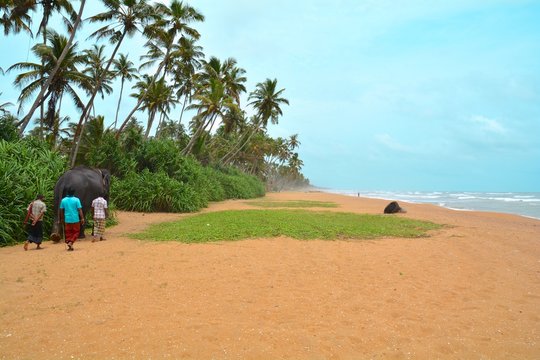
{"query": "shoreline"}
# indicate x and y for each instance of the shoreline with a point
(468, 290)
(398, 196)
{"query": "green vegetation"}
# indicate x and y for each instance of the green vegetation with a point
(156, 177)
(193, 142)
(292, 204)
(298, 224)
(195, 101)
(27, 168)
(152, 177)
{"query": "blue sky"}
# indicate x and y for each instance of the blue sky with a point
(387, 95)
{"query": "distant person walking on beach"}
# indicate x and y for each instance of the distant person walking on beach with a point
(71, 216)
(99, 214)
(35, 211)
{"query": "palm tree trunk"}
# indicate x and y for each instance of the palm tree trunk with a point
(45, 86)
(78, 131)
(119, 100)
(183, 107)
(151, 117)
(160, 124)
(56, 123)
(139, 102)
(78, 143)
(198, 132)
(231, 154)
(42, 111)
(141, 99)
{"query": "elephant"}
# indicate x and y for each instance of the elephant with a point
(88, 183)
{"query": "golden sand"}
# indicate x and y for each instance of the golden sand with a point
(469, 291)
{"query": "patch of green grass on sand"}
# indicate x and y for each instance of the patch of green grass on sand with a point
(298, 224)
(292, 204)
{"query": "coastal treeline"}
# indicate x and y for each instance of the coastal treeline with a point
(148, 176)
(189, 138)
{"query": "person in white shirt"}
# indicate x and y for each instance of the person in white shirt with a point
(99, 214)
(35, 211)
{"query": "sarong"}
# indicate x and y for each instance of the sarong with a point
(99, 227)
(72, 232)
(35, 233)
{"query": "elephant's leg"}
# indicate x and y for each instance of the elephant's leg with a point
(81, 232)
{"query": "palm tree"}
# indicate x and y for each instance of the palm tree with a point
(234, 119)
(51, 6)
(267, 102)
(228, 73)
(15, 17)
(173, 21)
(211, 103)
(185, 70)
(48, 8)
(171, 130)
(157, 96)
(293, 142)
(176, 17)
(234, 81)
(4, 106)
(124, 68)
(64, 80)
(130, 16)
(55, 135)
(94, 60)
(45, 86)
(295, 163)
(162, 50)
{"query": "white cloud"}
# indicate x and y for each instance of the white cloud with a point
(487, 124)
(389, 142)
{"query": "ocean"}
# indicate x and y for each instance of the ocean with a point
(519, 203)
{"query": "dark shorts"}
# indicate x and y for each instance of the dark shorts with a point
(35, 233)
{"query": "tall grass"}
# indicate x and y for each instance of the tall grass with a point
(27, 168)
(153, 192)
(158, 192)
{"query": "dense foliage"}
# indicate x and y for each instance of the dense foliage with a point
(151, 177)
(27, 168)
(194, 143)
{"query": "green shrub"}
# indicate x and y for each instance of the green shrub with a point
(211, 186)
(159, 155)
(240, 186)
(8, 129)
(153, 192)
(109, 155)
(27, 168)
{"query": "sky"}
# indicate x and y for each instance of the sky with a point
(410, 95)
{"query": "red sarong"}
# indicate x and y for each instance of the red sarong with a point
(72, 232)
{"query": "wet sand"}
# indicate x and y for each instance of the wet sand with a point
(469, 291)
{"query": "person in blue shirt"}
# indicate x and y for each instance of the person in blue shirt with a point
(71, 216)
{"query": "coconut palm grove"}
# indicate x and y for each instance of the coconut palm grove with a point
(189, 140)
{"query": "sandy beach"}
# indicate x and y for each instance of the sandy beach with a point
(468, 291)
